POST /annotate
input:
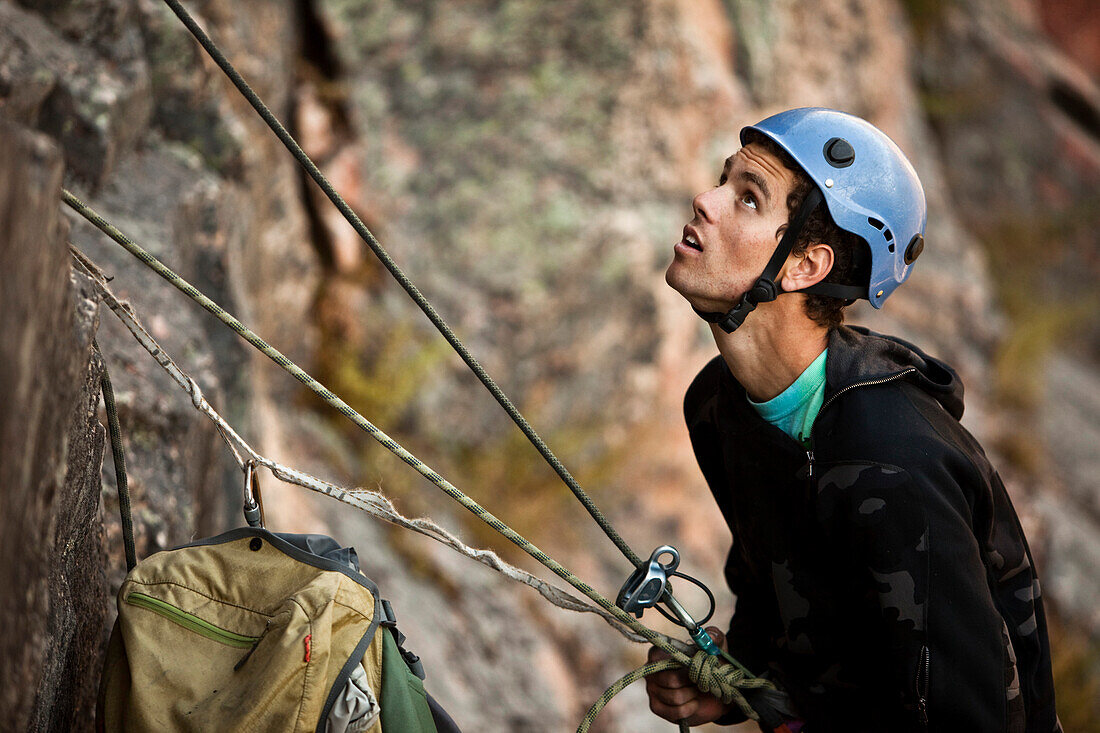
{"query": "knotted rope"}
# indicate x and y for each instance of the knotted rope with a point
(712, 675)
(715, 676)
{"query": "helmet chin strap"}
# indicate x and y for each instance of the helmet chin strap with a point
(766, 290)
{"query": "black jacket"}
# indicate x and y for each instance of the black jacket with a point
(882, 576)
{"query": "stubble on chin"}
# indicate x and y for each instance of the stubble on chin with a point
(682, 285)
(675, 280)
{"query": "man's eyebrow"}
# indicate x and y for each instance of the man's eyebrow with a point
(758, 180)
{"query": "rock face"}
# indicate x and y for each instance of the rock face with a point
(529, 165)
(54, 599)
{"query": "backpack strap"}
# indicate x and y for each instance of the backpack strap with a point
(389, 621)
(119, 459)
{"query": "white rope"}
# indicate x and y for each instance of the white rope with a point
(372, 502)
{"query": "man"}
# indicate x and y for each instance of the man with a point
(881, 574)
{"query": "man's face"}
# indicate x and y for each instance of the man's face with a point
(736, 226)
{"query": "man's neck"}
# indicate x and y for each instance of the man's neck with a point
(767, 355)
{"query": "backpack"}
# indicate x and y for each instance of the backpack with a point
(253, 630)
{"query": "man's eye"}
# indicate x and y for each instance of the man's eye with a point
(749, 200)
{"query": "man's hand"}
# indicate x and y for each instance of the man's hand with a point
(674, 697)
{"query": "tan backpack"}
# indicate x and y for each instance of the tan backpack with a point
(255, 631)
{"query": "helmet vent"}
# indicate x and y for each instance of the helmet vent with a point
(839, 152)
(891, 247)
(889, 235)
(875, 223)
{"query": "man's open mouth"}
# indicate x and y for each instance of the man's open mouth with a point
(690, 240)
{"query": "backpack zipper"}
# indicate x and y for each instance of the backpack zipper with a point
(868, 383)
(191, 622)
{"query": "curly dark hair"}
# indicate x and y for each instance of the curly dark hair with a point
(851, 255)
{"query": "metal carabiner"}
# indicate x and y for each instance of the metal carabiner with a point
(253, 500)
(645, 586)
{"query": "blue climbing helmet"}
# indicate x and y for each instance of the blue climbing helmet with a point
(870, 190)
(868, 185)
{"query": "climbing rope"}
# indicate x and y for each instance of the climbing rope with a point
(372, 502)
(384, 257)
(710, 674)
(125, 312)
(325, 394)
(701, 666)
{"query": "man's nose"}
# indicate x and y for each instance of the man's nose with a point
(701, 204)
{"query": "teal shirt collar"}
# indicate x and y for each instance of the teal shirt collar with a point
(794, 409)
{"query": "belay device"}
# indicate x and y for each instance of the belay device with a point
(648, 585)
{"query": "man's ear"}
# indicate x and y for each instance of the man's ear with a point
(809, 268)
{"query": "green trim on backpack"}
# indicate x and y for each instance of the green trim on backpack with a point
(404, 700)
(191, 622)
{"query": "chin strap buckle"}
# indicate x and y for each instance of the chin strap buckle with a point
(763, 291)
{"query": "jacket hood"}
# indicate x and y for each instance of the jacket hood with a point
(857, 354)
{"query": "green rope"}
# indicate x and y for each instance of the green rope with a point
(325, 394)
(119, 459)
(739, 672)
(621, 684)
(384, 257)
(725, 681)
(709, 673)
(726, 684)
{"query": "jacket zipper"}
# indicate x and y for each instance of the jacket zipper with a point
(868, 383)
(923, 668)
(191, 622)
(924, 663)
